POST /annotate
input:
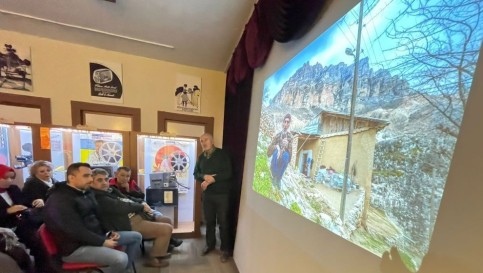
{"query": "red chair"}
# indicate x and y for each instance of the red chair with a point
(48, 241)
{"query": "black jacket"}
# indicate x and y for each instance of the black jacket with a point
(113, 212)
(72, 216)
(218, 163)
(10, 220)
(35, 188)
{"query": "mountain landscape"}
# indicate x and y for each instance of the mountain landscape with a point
(412, 154)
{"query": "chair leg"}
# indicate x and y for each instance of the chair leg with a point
(143, 250)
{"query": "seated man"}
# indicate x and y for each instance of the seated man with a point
(125, 184)
(129, 187)
(71, 214)
(117, 212)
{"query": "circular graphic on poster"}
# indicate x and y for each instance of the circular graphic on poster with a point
(179, 161)
(111, 152)
(170, 158)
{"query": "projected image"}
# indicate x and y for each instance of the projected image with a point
(375, 177)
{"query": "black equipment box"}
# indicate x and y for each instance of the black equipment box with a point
(162, 196)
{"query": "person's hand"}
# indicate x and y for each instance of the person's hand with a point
(115, 236)
(110, 243)
(210, 178)
(392, 262)
(15, 209)
(38, 203)
(125, 186)
(204, 185)
(8, 232)
(147, 208)
(284, 142)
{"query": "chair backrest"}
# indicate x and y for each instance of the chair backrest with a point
(48, 240)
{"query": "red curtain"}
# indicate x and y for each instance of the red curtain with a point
(279, 20)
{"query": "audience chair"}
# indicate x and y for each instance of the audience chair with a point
(48, 241)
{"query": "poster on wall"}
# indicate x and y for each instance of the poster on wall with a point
(4, 153)
(187, 94)
(100, 148)
(106, 81)
(171, 156)
(15, 67)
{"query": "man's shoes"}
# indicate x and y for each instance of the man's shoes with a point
(175, 242)
(165, 256)
(224, 256)
(206, 250)
(153, 262)
(170, 248)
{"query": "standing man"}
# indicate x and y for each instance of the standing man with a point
(280, 149)
(71, 214)
(213, 169)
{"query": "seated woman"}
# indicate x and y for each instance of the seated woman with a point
(117, 212)
(12, 215)
(37, 185)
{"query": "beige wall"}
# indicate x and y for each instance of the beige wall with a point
(271, 238)
(61, 73)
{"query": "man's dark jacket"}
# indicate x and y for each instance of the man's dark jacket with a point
(72, 216)
(218, 164)
(113, 212)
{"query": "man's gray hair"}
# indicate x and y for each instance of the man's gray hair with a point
(210, 136)
(98, 171)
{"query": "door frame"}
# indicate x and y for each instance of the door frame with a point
(43, 104)
(80, 109)
(208, 123)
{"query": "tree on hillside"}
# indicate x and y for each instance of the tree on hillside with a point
(442, 40)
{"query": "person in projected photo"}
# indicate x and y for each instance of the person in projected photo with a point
(280, 149)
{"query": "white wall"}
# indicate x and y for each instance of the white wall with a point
(271, 238)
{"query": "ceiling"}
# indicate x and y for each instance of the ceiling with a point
(203, 33)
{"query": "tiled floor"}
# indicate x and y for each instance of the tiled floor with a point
(186, 258)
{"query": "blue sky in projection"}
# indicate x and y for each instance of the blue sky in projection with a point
(329, 48)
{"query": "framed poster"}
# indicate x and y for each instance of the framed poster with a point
(15, 67)
(106, 81)
(187, 95)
